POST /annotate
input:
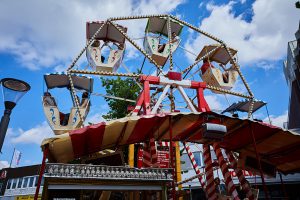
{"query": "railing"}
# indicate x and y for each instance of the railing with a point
(102, 172)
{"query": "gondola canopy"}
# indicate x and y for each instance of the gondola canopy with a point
(219, 56)
(107, 33)
(159, 25)
(61, 80)
(243, 106)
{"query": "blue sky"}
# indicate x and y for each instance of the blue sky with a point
(44, 36)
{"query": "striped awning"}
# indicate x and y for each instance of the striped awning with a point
(274, 145)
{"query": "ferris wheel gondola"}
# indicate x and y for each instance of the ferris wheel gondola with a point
(156, 28)
(214, 76)
(59, 122)
(107, 35)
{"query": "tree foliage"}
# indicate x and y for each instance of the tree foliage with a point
(125, 88)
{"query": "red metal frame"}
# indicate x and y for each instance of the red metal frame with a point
(144, 98)
(42, 170)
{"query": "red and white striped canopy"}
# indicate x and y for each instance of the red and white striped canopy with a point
(274, 145)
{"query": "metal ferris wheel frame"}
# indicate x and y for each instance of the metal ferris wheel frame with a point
(111, 21)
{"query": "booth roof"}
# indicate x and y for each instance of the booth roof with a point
(274, 145)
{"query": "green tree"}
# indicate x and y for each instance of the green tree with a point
(125, 88)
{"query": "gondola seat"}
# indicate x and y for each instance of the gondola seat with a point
(53, 116)
(113, 63)
(151, 45)
(214, 77)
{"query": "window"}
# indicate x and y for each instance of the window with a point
(213, 155)
(185, 162)
(198, 158)
(20, 183)
(25, 182)
(14, 184)
(36, 180)
(9, 182)
(42, 183)
(31, 181)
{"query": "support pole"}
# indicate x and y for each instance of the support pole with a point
(210, 185)
(224, 168)
(42, 170)
(189, 179)
(244, 183)
(202, 104)
(3, 126)
(178, 166)
(12, 157)
(140, 157)
(171, 157)
(146, 156)
(259, 164)
(131, 155)
(153, 152)
(283, 187)
(195, 165)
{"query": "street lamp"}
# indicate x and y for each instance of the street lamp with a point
(13, 90)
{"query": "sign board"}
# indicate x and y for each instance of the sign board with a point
(26, 197)
(163, 157)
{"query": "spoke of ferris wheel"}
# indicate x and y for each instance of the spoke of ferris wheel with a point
(105, 73)
(126, 68)
(135, 17)
(169, 43)
(136, 46)
(85, 47)
(181, 47)
(198, 60)
(113, 97)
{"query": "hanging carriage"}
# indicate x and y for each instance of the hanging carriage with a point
(61, 123)
(108, 36)
(152, 41)
(214, 76)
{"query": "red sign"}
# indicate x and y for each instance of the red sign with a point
(163, 159)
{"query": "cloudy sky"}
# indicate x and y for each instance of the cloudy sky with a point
(39, 37)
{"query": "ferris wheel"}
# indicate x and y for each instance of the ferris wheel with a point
(168, 83)
(105, 52)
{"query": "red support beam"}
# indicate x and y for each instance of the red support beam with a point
(202, 104)
(42, 170)
(150, 79)
(147, 98)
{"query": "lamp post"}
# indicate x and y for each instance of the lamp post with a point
(13, 91)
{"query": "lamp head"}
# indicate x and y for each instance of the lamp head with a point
(13, 91)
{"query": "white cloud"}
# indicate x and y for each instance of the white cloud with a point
(263, 39)
(94, 119)
(34, 135)
(277, 120)
(4, 164)
(214, 102)
(48, 33)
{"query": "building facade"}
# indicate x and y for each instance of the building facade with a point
(19, 183)
(291, 70)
